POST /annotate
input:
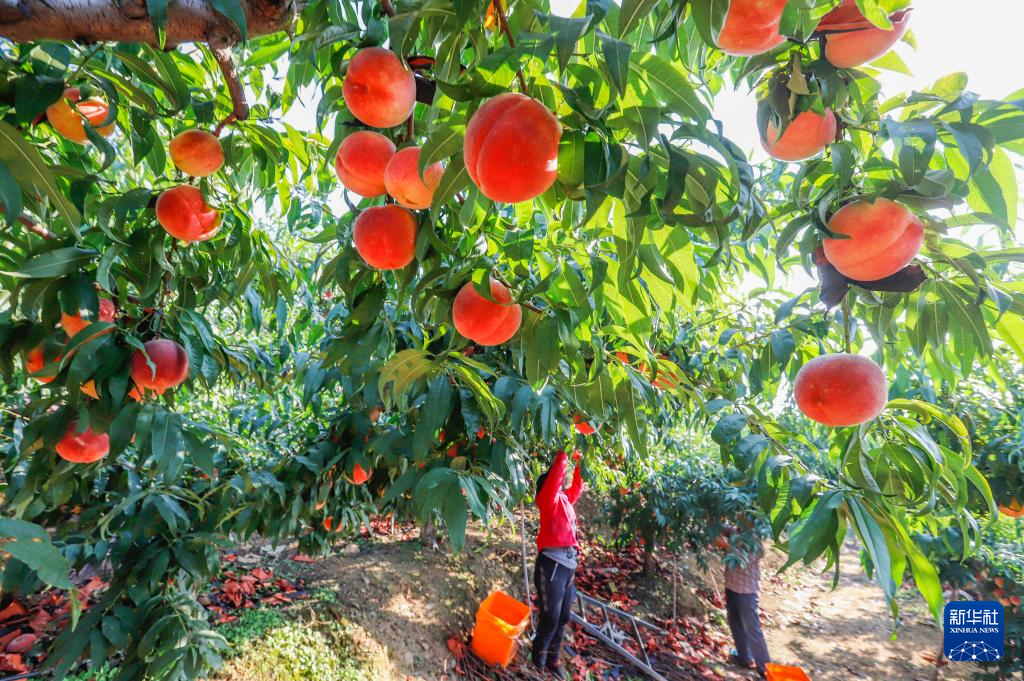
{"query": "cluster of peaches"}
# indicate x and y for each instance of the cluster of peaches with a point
(878, 239)
(181, 210)
(170, 368)
(510, 152)
(183, 213)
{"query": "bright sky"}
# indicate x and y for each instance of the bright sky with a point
(988, 48)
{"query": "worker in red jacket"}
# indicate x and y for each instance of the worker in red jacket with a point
(556, 564)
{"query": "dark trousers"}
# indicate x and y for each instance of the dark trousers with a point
(556, 590)
(745, 623)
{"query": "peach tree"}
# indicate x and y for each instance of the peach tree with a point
(272, 267)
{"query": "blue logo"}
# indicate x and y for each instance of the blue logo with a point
(972, 631)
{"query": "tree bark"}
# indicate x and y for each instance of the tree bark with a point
(127, 21)
(650, 567)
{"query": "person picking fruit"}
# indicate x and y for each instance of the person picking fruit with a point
(557, 558)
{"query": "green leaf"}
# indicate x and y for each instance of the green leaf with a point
(232, 9)
(433, 414)
(32, 173)
(158, 16)
(632, 12)
(616, 56)
(454, 180)
(455, 515)
(728, 428)
(32, 546)
(443, 143)
(10, 194)
(670, 84)
(55, 263)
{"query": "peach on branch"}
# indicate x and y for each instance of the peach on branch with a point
(170, 366)
(751, 27)
(882, 238)
(183, 213)
(35, 360)
(87, 446)
(806, 136)
(483, 321)
(385, 237)
(403, 182)
(511, 148)
(584, 426)
(196, 152)
(851, 40)
(1014, 509)
(361, 160)
(378, 89)
(359, 475)
(73, 324)
(841, 389)
(69, 114)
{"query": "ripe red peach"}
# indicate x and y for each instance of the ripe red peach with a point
(196, 152)
(35, 361)
(183, 213)
(69, 113)
(385, 237)
(361, 160)
(806, 136)
(751, 27)
(378, 89)
(171, 366)
(85, 447)
(851, 40)
(841, 389)
(511, 148)
(583, 425)
(73, 324)
(403, 181)
(359, 475)
(884, 237)
(485, 322)
(1014, 509)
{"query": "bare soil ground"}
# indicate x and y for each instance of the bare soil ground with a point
(409, 600)
(847, 633)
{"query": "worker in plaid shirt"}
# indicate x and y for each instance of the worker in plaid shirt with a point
(742, 589)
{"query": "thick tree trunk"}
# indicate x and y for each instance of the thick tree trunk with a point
(428, 533)
(650, 566)
(127, 21)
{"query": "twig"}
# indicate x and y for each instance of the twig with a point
(240, 108)
(499, 11)
(410, 127)
(526, 573)
(164, 285)
(846, 324)
(32, 226)
(525, 303)
(389, 8)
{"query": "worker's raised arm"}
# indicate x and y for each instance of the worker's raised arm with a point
(553, 483)
(576, 489)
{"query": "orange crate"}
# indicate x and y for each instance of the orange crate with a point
(778, 672)
(500, 621)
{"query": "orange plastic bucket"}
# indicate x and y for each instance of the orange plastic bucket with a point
(500, 621)
(778, 672)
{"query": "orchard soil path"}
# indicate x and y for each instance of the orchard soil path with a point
(410, 599)
(846, 633)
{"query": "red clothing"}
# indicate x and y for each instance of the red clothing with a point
(557, 515)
